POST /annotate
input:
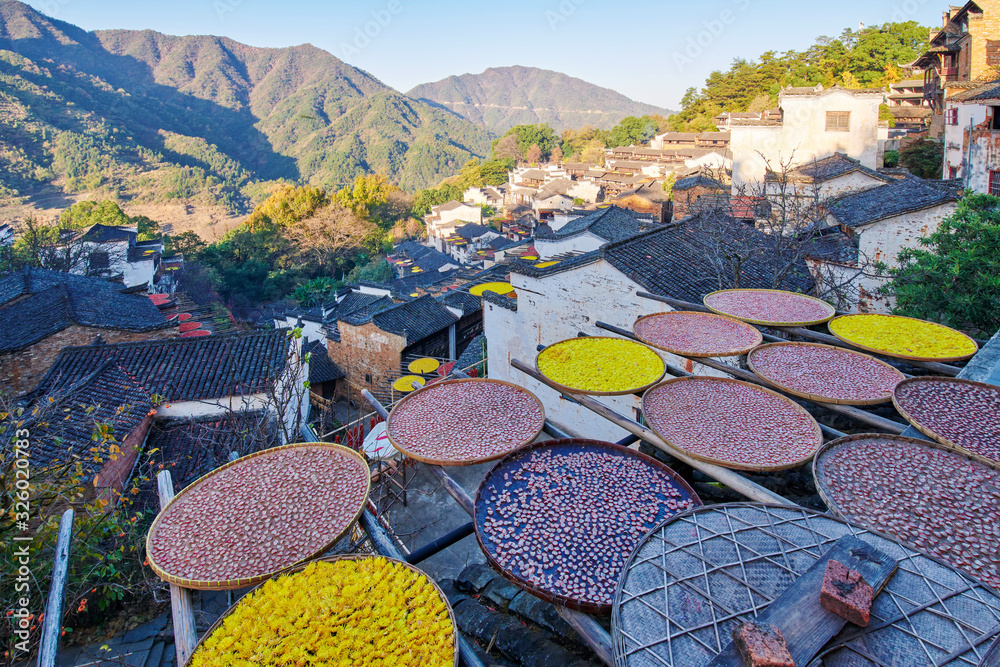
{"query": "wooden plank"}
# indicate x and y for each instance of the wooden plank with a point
(48, 650)
(806, 625)
(181, 606)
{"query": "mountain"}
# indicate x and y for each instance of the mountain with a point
(143, 114)
(502, 97)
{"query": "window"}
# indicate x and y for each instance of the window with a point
(952, 172)
(99, 260)
(995, 122)
(951, 116)
(838, 121)
(368, 378)
(995, 183)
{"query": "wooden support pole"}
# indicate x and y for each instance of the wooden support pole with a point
(808, 334)
(590, 631)
(181, 606)
(848, 411)
(733, 480)
(48, 650)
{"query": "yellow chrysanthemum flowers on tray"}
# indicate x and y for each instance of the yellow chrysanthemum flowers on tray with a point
(903, 337)
(602, 366)
(345, 612)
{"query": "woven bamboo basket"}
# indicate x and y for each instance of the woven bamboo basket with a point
(734, 465)
(896, 355)
(929, 432)
(415, 453)
(509, 463)
(696, 576)
(731, 352)
(243, 582)
(574, 390)
(772, 323)
(817, 397)
(333, 559)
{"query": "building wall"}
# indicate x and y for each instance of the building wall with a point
(982, 30)
(23, 369)
(855, 181)
(684, 199)
(972, 149)
(802, 137)
(556, 308)
(364, 351)
(585, 242)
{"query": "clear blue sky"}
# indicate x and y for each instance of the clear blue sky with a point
(645, 49)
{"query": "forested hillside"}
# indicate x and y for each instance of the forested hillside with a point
(856, 59)
(146, 115)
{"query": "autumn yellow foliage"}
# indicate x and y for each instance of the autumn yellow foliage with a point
(345, 613)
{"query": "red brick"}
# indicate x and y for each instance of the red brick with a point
(762, 645)
(846, 594)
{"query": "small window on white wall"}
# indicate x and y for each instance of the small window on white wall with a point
(838, 121)
(951, 116)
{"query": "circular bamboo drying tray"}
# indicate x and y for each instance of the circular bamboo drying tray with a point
(333, 559)
(898, 355)
(818, 373)
(495, 446)
(956, 519)
(791, 298)
(737, 338)
(624, 392)
(696, 576)
(701, 413)
(563, 564)
(254, 519)
(983, 420)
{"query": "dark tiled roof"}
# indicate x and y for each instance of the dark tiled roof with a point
(887, 201)
(472, 354)
(835, 166)
(33, 281)
(106, 396)
(415, 320)
(428, 259)
(699, 180)
(99, 233)
(836, 247)
(502, 243)
(321, 367)
(184, 369)
(529, 268)
(462, 300)
(472, 231)
(986, 91)
(676, 260)
(652, 192)
(611, 224)
(502, 301)
(192, 448)
(49, 311)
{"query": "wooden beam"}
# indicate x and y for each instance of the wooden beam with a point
(733, 480)
(181, 606)
(48, 650)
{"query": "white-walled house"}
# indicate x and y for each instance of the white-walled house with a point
(111, 251)
(972, 138)
(487, 196)
(826, 178)
(590, 232)
(556, 302)
(815, 123)
(444, 219)
(883, 221)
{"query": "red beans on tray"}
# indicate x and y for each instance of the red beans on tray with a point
(770, 307)
(460, 422)
(941, 502)
(561, 518)
(697, 334)
(732, 423)
(826, 373)
(258, 515)
(956, 412)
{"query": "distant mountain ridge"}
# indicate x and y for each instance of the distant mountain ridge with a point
(502, 97)
(145, 104)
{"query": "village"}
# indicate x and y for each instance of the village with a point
(661, 408)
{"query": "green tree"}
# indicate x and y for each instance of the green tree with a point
(955, 278)
(435, 197)
(186, 243)
(288, 204)
(632, 131)
(924, 158)
(86, 213)
(317, 291)
(376, 271)
(541, 135)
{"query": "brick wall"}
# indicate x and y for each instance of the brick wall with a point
(684, 199)
(23, 369)
(367, 351)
